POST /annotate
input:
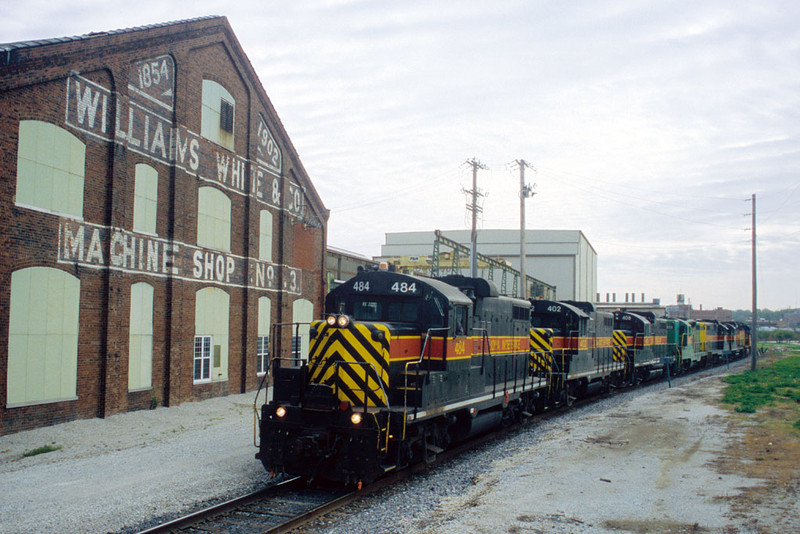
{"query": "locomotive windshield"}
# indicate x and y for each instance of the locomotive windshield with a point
(548, 320)
(391, 311)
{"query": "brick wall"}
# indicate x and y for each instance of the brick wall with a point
(46, 83)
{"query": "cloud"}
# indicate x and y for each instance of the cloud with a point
(650, 124)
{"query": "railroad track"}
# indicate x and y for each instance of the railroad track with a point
(291, 504)
(275, 509)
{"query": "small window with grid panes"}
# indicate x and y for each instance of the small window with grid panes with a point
(263, 355)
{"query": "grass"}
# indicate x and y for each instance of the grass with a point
(766, 386)
(41, 450)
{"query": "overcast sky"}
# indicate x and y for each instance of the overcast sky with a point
(649, 124)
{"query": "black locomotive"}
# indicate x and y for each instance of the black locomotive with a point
(402, 366)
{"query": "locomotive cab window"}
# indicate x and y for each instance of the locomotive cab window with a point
(389, 310)
(556, 322)
(460, 320)
(366, 311)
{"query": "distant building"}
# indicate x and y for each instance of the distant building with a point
(791, 320)
(341, 265)
(561, 258)
(717, 314)
(681, 310)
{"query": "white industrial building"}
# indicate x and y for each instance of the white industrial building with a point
(563, 258)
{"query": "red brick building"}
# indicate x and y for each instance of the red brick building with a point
(155, 219)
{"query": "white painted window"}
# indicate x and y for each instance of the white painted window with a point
(50, 169)
(218, 114)
(43, 336)
(264, 323)
(211, 316)
(302, 312)
(140, 340)
(213, 219)
(265, 236)
(202, 358)
(145, 199)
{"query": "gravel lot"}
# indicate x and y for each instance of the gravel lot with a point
(118, 473)
(637, 462)
(642, 462)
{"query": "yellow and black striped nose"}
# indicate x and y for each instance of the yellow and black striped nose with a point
(620, 341)
(541, 344)
(353, 360)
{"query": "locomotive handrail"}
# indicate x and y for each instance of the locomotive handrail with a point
(296, 362)
(574, 334)
(484, 345)
(405, 375)
(256, 417)
(276, 327)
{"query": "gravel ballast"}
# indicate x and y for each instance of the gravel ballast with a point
(642, 461)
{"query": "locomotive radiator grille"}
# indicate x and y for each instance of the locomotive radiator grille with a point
(352, 362)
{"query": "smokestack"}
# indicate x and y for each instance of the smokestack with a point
(615, 297)
(627, 296)
(642, 297)
(633, 297)
(607, 298)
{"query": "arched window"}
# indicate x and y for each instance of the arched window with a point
(264, 324)
(140, 340)
(50, 169)
(211, 313)
(213, 219)
(217, 115)
(43, 336)
(145, 199)
(265, 236)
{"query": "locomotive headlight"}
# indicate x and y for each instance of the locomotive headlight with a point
(331, 320)
(355, 418)
(281, 411)
(342, 321)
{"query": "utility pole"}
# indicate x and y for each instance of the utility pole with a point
(525, 191)
(754, 335)
(474, 208)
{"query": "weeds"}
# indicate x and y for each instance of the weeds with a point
(779, 382)
(41, 450)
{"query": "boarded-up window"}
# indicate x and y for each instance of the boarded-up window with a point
(140, 345)
(50, 169)
(213, 219)
(145, 199)
(43, 336)
(217, 114)
(265, 236)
